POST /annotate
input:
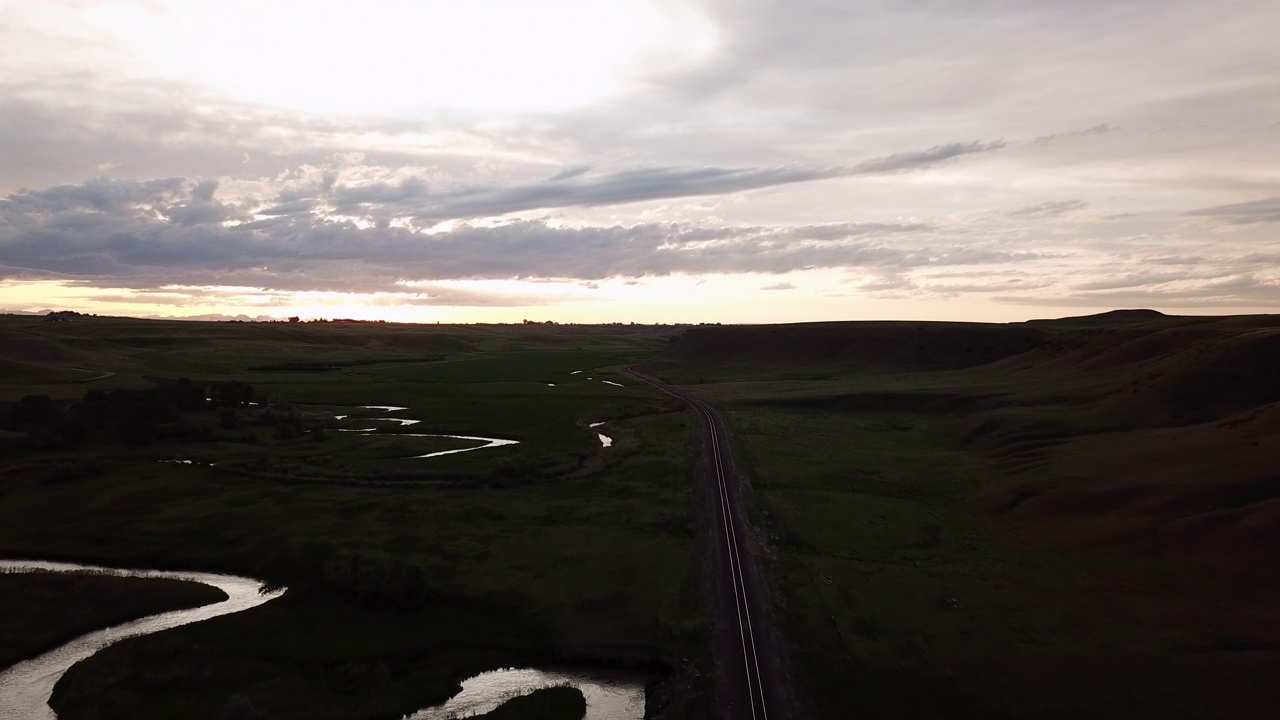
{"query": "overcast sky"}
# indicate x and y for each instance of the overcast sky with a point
(646, 160)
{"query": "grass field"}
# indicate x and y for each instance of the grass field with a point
(1058, 519)
(1085, 529)
(550, 550)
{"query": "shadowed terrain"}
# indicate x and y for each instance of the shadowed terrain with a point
(40, 611)
(246, 447)
(1053, 519)
(1059, 518)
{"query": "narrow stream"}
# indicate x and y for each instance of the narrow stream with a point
(605, 440)
(100, 376)
(488, 442)
(25, 688)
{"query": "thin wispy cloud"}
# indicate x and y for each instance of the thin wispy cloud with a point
(1253, 211)
(576, 188)
(916, 160)
(1048, 209)
(1100, 129)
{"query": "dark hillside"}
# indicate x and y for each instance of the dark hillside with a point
(1088, 525)
(1113, 429)
(1111, 317)
(1142, 369)
(907, 345)
(1163, 374)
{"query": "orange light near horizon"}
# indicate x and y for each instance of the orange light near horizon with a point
(671, 300)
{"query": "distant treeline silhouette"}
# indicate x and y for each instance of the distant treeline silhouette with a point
(129, 417)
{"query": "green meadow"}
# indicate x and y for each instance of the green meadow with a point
(1056, 519)
(405, 574)
(1082, 524)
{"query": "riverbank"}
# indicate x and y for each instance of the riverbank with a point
(40, 611)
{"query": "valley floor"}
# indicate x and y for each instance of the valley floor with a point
(1088, 529)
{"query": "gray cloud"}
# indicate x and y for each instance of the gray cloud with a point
(779, 286)
(570, 172)
(1101, 129)
(1048, 209)
(985, 288)
(413, 196)
(576, 188)
(146, 130)
(1176, 260)
(1246, 290)
(1254, 211)
(888, 285)
(124, 234)
(1139, 279)
(899, 162)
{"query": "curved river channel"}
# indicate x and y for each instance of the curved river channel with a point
(405, 422)
(25, 688)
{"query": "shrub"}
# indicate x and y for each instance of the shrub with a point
(229, 418)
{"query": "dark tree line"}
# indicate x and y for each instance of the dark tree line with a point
(124, 416)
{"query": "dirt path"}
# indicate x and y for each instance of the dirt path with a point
(751, 682)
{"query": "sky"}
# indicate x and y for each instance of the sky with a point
(639, 160)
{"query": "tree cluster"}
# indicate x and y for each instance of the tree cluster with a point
(134, 418)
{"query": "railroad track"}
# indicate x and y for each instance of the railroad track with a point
(753, 689)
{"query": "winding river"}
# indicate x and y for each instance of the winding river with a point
(25, 688)
(488, 442)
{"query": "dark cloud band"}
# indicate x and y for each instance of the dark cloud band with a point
(173, 231)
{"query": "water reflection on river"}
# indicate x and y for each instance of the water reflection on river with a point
(486, 442)
(25, 688)
(609, 697)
